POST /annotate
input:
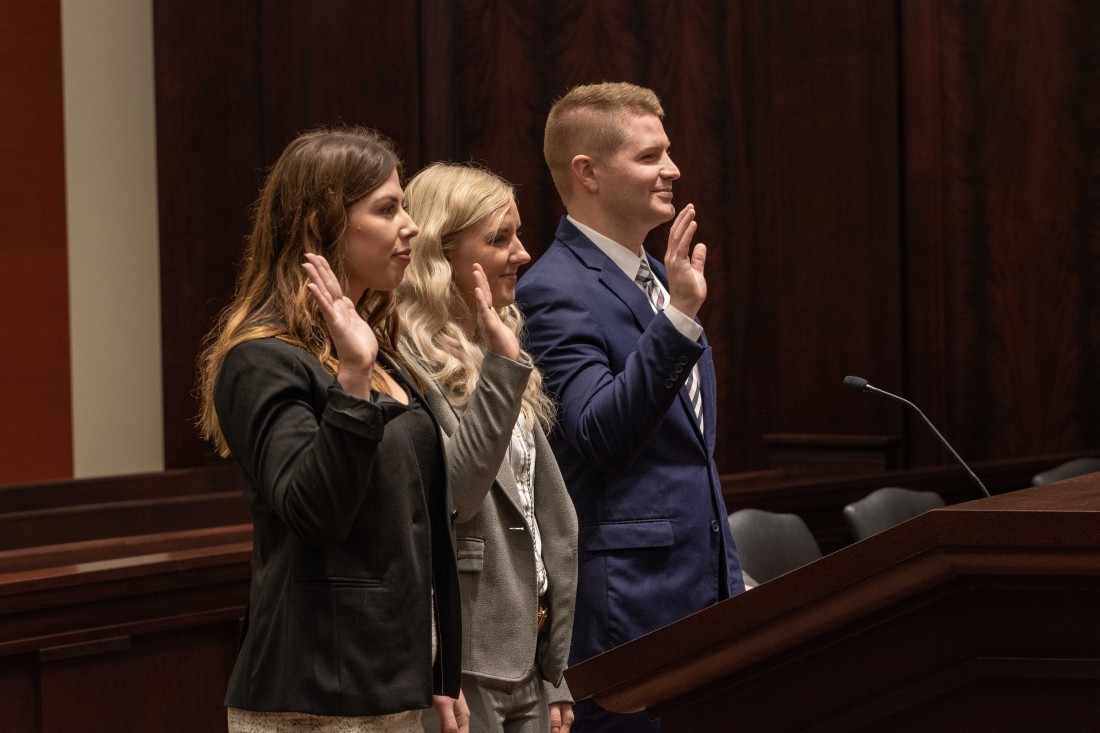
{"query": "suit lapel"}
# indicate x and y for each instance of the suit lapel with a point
(611, 276)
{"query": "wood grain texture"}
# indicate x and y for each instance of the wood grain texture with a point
(209, 163)
(340, 61)
(1003, 279)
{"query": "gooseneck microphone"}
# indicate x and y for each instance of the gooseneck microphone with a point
(860, 385)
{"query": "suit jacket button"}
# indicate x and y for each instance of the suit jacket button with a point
(679, 368)
(683, 360)
(714, 525)
(669, 383)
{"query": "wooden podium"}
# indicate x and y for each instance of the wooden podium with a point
(982, 616)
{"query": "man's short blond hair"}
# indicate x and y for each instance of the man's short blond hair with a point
(592, 120)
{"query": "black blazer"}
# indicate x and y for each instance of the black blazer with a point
(347, 539)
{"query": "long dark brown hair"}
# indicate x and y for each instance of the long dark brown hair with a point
(302, 208)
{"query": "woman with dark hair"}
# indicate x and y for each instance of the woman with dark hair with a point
(353, 621)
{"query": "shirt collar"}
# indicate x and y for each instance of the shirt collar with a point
(622, 256)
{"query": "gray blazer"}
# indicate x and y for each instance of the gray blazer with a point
(496, 558)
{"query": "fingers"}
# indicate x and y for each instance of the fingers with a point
(320, 273)
(479, 278)
(561, 717)
(445, 710)
(567, 718)
(481, 293)
(685, 217)
(680, 236)
(462, 713)
(555, 717)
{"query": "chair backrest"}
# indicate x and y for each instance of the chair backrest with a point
(1069, 469)
(770, 544)
(883, 508)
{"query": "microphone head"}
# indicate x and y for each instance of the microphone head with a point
(857, 383)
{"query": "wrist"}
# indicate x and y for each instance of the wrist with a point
(356, 381)
(689, 306)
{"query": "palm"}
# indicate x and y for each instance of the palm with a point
(356, 345)
(687, 285)
(498, 337)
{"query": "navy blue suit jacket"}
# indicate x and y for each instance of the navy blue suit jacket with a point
(654, 541)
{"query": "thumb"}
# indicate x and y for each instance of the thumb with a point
(699, 257)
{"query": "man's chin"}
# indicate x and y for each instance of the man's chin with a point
(667, 212)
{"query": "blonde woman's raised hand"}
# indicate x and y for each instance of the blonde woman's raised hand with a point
(498, 337)
(356, 346)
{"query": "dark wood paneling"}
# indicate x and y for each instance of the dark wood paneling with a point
(221, 476)
(143, 640)
(339, 61)
(815, 212)
(18, 698)
(171, 681)
(1001, 222)
(121, 506)
(209, 161)
(36, 431)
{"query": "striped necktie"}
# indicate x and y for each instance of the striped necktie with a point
(656, 296)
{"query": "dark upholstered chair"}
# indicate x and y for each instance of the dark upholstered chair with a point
(770, 544)
(1069, 469)
(883, 508)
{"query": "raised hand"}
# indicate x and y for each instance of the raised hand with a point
(498, 337)
(356, 346)
(687, 287)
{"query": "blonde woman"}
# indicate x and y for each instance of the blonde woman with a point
(517, 530)
(353, 569)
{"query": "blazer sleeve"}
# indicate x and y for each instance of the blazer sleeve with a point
(608, 417)
(477, 446)
(307, 445)
(557, 693)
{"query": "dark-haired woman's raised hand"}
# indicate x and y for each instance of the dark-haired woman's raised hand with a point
(498, 337)
(356, 346)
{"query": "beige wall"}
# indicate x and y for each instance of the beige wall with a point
(114, 278)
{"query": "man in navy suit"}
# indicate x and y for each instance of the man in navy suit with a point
(623, 353)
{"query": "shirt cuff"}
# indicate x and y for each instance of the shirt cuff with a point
(686, 326)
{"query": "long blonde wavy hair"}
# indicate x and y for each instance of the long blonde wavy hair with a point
(445, 200)
(303, 207)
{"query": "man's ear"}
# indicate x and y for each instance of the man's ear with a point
(584, 172)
